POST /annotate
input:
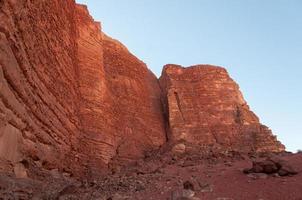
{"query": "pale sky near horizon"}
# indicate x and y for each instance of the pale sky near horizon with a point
(259, 42)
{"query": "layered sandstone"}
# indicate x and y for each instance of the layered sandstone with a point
(74, 99)
(136, 102)
(66, 100)
(38, 81)
(205, 107)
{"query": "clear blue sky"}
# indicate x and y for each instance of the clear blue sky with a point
(258, 41)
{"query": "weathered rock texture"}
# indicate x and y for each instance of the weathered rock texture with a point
(137, 119)
(205, 107)
(73, 99)
(70, 98)
(38, 81)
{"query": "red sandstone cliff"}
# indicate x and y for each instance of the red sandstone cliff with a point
(39, 84)
(205, 107)
(135, 92)
(69, 94)
(74, 99)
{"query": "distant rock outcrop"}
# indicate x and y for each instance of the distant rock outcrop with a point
(73, 99)
(205, 107)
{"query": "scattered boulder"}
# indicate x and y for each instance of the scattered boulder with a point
(183, 195)
(187, 193)
(271, 165)
(287, 170)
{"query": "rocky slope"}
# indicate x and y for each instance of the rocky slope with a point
(77, 101)
(164, 178)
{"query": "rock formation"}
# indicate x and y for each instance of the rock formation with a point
(205, 107)
(39, 82)
(73, 99)
(120, 108)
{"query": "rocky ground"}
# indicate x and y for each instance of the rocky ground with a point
(170, 178)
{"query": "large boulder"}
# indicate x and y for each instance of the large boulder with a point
(271, 166)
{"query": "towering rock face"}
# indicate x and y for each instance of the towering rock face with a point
(38, 81)
(74, 99)
(137, 120)
(95, 141)
(66, 100)
(205, 107)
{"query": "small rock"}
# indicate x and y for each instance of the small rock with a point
(38, 163)
(20, 171)
(183, 195)
(188, 186)
(252, 175)
(140, 188)
(257, 175)
(276, 175)
(207, 188)
(118, 197)
(179, 149)
(66, 174)
(55, 173)
(188, 193)
(262, 176)
(247, 170)
(229, 164)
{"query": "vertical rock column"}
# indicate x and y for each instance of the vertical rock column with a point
(136, 96)
(97, 138)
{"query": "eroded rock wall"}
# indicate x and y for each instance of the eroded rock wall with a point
(71, 97)
(136, 96)
(94, 139)
(205, 107)
(38, 95)
(76, 100)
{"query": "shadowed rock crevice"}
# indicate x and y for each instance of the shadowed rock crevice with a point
(179, 105)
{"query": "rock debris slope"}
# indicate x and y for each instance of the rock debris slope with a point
(73, 99)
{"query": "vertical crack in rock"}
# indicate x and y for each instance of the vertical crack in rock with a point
(179, 106)
(238, 115)
(165, 112)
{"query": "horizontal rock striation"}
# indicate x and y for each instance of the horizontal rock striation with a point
(136, 101)
(205, 107)
(64, 104)
(38, 81)
(76, 100)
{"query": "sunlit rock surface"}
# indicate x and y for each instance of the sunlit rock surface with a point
(205, 107)
(73, 99)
